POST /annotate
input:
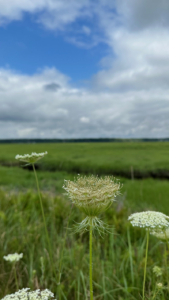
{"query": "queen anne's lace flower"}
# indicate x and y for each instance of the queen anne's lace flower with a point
(159, 285)
(162, 235)
(157, 271)
(30, 158)
(91, 194)
(13, 257)
(151, 220)
(26, 294)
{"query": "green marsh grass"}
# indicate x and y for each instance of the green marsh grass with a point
(119, 258)
(117, 158)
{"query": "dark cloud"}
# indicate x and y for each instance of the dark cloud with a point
(140, 15)
(53, 86)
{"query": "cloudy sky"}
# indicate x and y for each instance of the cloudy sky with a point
(88, 68)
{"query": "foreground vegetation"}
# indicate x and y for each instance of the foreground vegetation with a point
(118, 258)
(118, 266)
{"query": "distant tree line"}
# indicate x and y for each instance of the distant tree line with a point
(84, 140)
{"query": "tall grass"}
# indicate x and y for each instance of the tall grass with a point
(118, 258)
(128, 159)
(118, 271)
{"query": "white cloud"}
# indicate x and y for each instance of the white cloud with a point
(86, 30)
(84, 120)
(128, 97)
(30, 110)
(52, 13)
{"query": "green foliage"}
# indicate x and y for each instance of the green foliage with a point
(118, 258)
(145, 158)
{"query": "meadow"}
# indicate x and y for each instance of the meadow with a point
(118, 257)
(144, 158)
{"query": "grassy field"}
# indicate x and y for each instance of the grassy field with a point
(118, 261)
(145, 158)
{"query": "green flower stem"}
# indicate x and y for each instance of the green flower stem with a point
(90, 264)
(166, 267)
(16, 280)
(167, 241)
(145, 264)
(155, 294)
(166, 246)
(61, 258)
(44, 220)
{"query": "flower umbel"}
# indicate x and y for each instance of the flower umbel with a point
(162, 235)
(31, 158)
(157, 271)
(13, 257)
(151, 220)
(26, 294)
(92, 194)
(159, 285)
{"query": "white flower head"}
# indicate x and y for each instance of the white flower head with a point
(93, 195)
(31, 158)
(26, 294)
(159, 285)
(157, 271)
(151, 220)
(13, 257)
(162, 235)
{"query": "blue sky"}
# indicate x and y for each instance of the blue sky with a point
(26, 46)
(76, 69)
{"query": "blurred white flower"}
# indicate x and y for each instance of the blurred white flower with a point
(150, 220)
(162, 235)
(31, 158)
(25, 294)
(13, 257)
(159, 285)
(157, 271)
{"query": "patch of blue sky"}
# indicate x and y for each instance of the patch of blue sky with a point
(26, 47)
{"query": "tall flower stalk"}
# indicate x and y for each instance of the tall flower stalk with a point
(92, 195)
(31, 159)
(152, 221)
(90, 264)
(145, 266)
(42, 210)
(163, 236)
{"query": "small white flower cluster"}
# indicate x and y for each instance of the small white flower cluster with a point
(159, 285)
(31, 158)
(162, 235)
(26, 294)
(13, 257)
(151, 220)
(157, 271)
